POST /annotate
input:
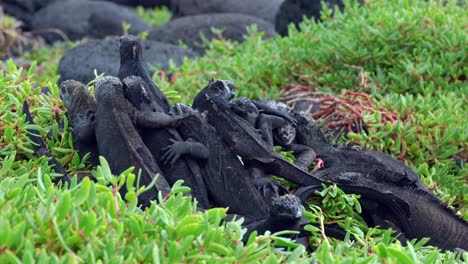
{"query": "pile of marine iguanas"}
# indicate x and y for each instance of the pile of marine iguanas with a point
(223, 149)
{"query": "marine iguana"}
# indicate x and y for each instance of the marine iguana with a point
(230, 185)
(41, 150)
(423, 215)
(276, 126)
(118, 139)
(285, 214)
(131, 65)
(81, 108)
(342, 160)
(156, 139)
(242, 138)
(227, 181)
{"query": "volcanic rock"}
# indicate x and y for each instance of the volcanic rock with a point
(292, 11)
(144, 3)
(78, 19)
(23, 9)
(189, 29)
(265, 9)
(103, 55)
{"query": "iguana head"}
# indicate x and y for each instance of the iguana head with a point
(309, 133)
(130, 48)
(106, 87)
(223, 88)
(76, 98)
(245, 108)
(286, 208)
(138, 93)
(285, 134)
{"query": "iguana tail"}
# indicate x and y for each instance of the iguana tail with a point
(40, 148)
(395, 207)
(286, 170)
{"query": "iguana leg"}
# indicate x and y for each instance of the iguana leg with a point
(267, 109)
(179, 109)
(269, 188)
(304, 155)
(158, 119)
(266, 124)
(179, 148)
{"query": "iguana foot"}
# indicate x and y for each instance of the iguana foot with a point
(269, 188)
(173, 152)
(179, 109)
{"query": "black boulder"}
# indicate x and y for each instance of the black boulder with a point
(265, 9)
(145, 3)
(292, 11)
(188, 29)
(23, 9)
(78, 19)
(103, 55)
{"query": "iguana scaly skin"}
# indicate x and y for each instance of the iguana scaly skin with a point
(41, 150)
(118, 139)
(365, 174)
(156, 139)
(230, 184)
(131, 65)
(241, 137)
(81, 108)
(227, 181)
(403, 202)
(276, 125)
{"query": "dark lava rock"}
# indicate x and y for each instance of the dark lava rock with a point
(103, 55)
(23, 9)
(188, 29)
(78, 19)
(144, 3)
(292, 11)
(265, 9)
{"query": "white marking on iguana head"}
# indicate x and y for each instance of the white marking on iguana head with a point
(226, 87)
(143, 90)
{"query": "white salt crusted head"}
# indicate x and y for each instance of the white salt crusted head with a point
(286, 206)
(107, 79)
(107, 86)
(136, 81)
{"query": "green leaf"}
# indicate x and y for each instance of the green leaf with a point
(83, 192)
(64, 206)
(218, 249)
(399, 255)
